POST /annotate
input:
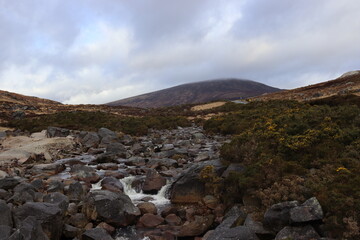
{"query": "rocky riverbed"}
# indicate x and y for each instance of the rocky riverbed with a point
(62, 184)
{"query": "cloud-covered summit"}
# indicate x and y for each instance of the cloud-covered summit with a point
(90, 51)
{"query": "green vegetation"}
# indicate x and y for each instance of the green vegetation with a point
(92, 121)
(292, 151)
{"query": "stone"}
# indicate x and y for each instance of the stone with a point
(198, 226)
(55, 186)
(5, 232)
(6, 218)
(24, 192)
(233, 168)
(48, 168)
(75, 191)
(90, 140)
(147, 207)
(110, 229)
(58, 199)
(113, 208)
(84, 173)
(47, 214)
(71, 231)
(210, 201)
(78, 220)
(112, 184)
(256, 227)
(3, 174)
(149, 220)
(9, 182)
(236, 233)
(278, 215)
(5, 195)
(117, 149)
(167, 162)
(202, 157)
(167, 147)
(57, 132)
(29, 229)
(96, 234)
(153, 182)
(297, 233)
(310, 210)
(173, 220)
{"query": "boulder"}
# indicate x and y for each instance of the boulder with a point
(116, 149)
(310, 210)
(90, 140)
(3, 174)
(5, 232)
(107, 136)
(55, 186)
(166, 162)
(210, 201)
(24, 192)
(173, 220)
(112, 184)
(57, 132)
(147, 207)
(236, 233)
(58, 199)
(198, 226)
(48, 168)
(96, 234)
(70, 231)
(47, 214)
(9, 182)
(78, 220)
(233, 168)
(297, 233)
(113, 208)
(110, 229)
(256, 227)
(153, 182)
(75, 191)
(149, 220)
(6, 218)
(84, 173)
(29, 229)
(278, 215)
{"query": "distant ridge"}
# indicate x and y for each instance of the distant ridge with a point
(348, 83)
(198, 92)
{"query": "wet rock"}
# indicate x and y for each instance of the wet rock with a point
(47, 214)
(107, 166)
(9, 182)
(96, 234)
(308, 211)
(153, 182)
(112, 184)
(6, 218)
(84, 173)
(149, 220)
(113, 208)
(198, 226)
(297, 233)
(147, 207)
(29, 229)
(58, 199)
(278, 215)
(71, 231)
(173, 220)
(57, 132)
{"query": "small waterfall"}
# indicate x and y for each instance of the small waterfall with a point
(158, 199)
(96, 186)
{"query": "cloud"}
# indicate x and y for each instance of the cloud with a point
(91, 51)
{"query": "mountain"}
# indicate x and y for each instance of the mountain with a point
(348, 83)
(198, 92)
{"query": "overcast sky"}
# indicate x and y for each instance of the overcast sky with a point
(96, 51)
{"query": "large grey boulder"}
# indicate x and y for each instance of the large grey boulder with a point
(24, 192)
(153, 182)
(58, 199)
(310, 210)
(297, 233)
(113, 208)
(278, 215)
(48, 215)
(196, 227)
(89, 139)
(57, 132)
(84, 173)
(5, 232)
(7, 183)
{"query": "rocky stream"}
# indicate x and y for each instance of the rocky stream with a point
(105, 186)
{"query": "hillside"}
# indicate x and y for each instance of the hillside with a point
(199, 92)
(345, 84)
